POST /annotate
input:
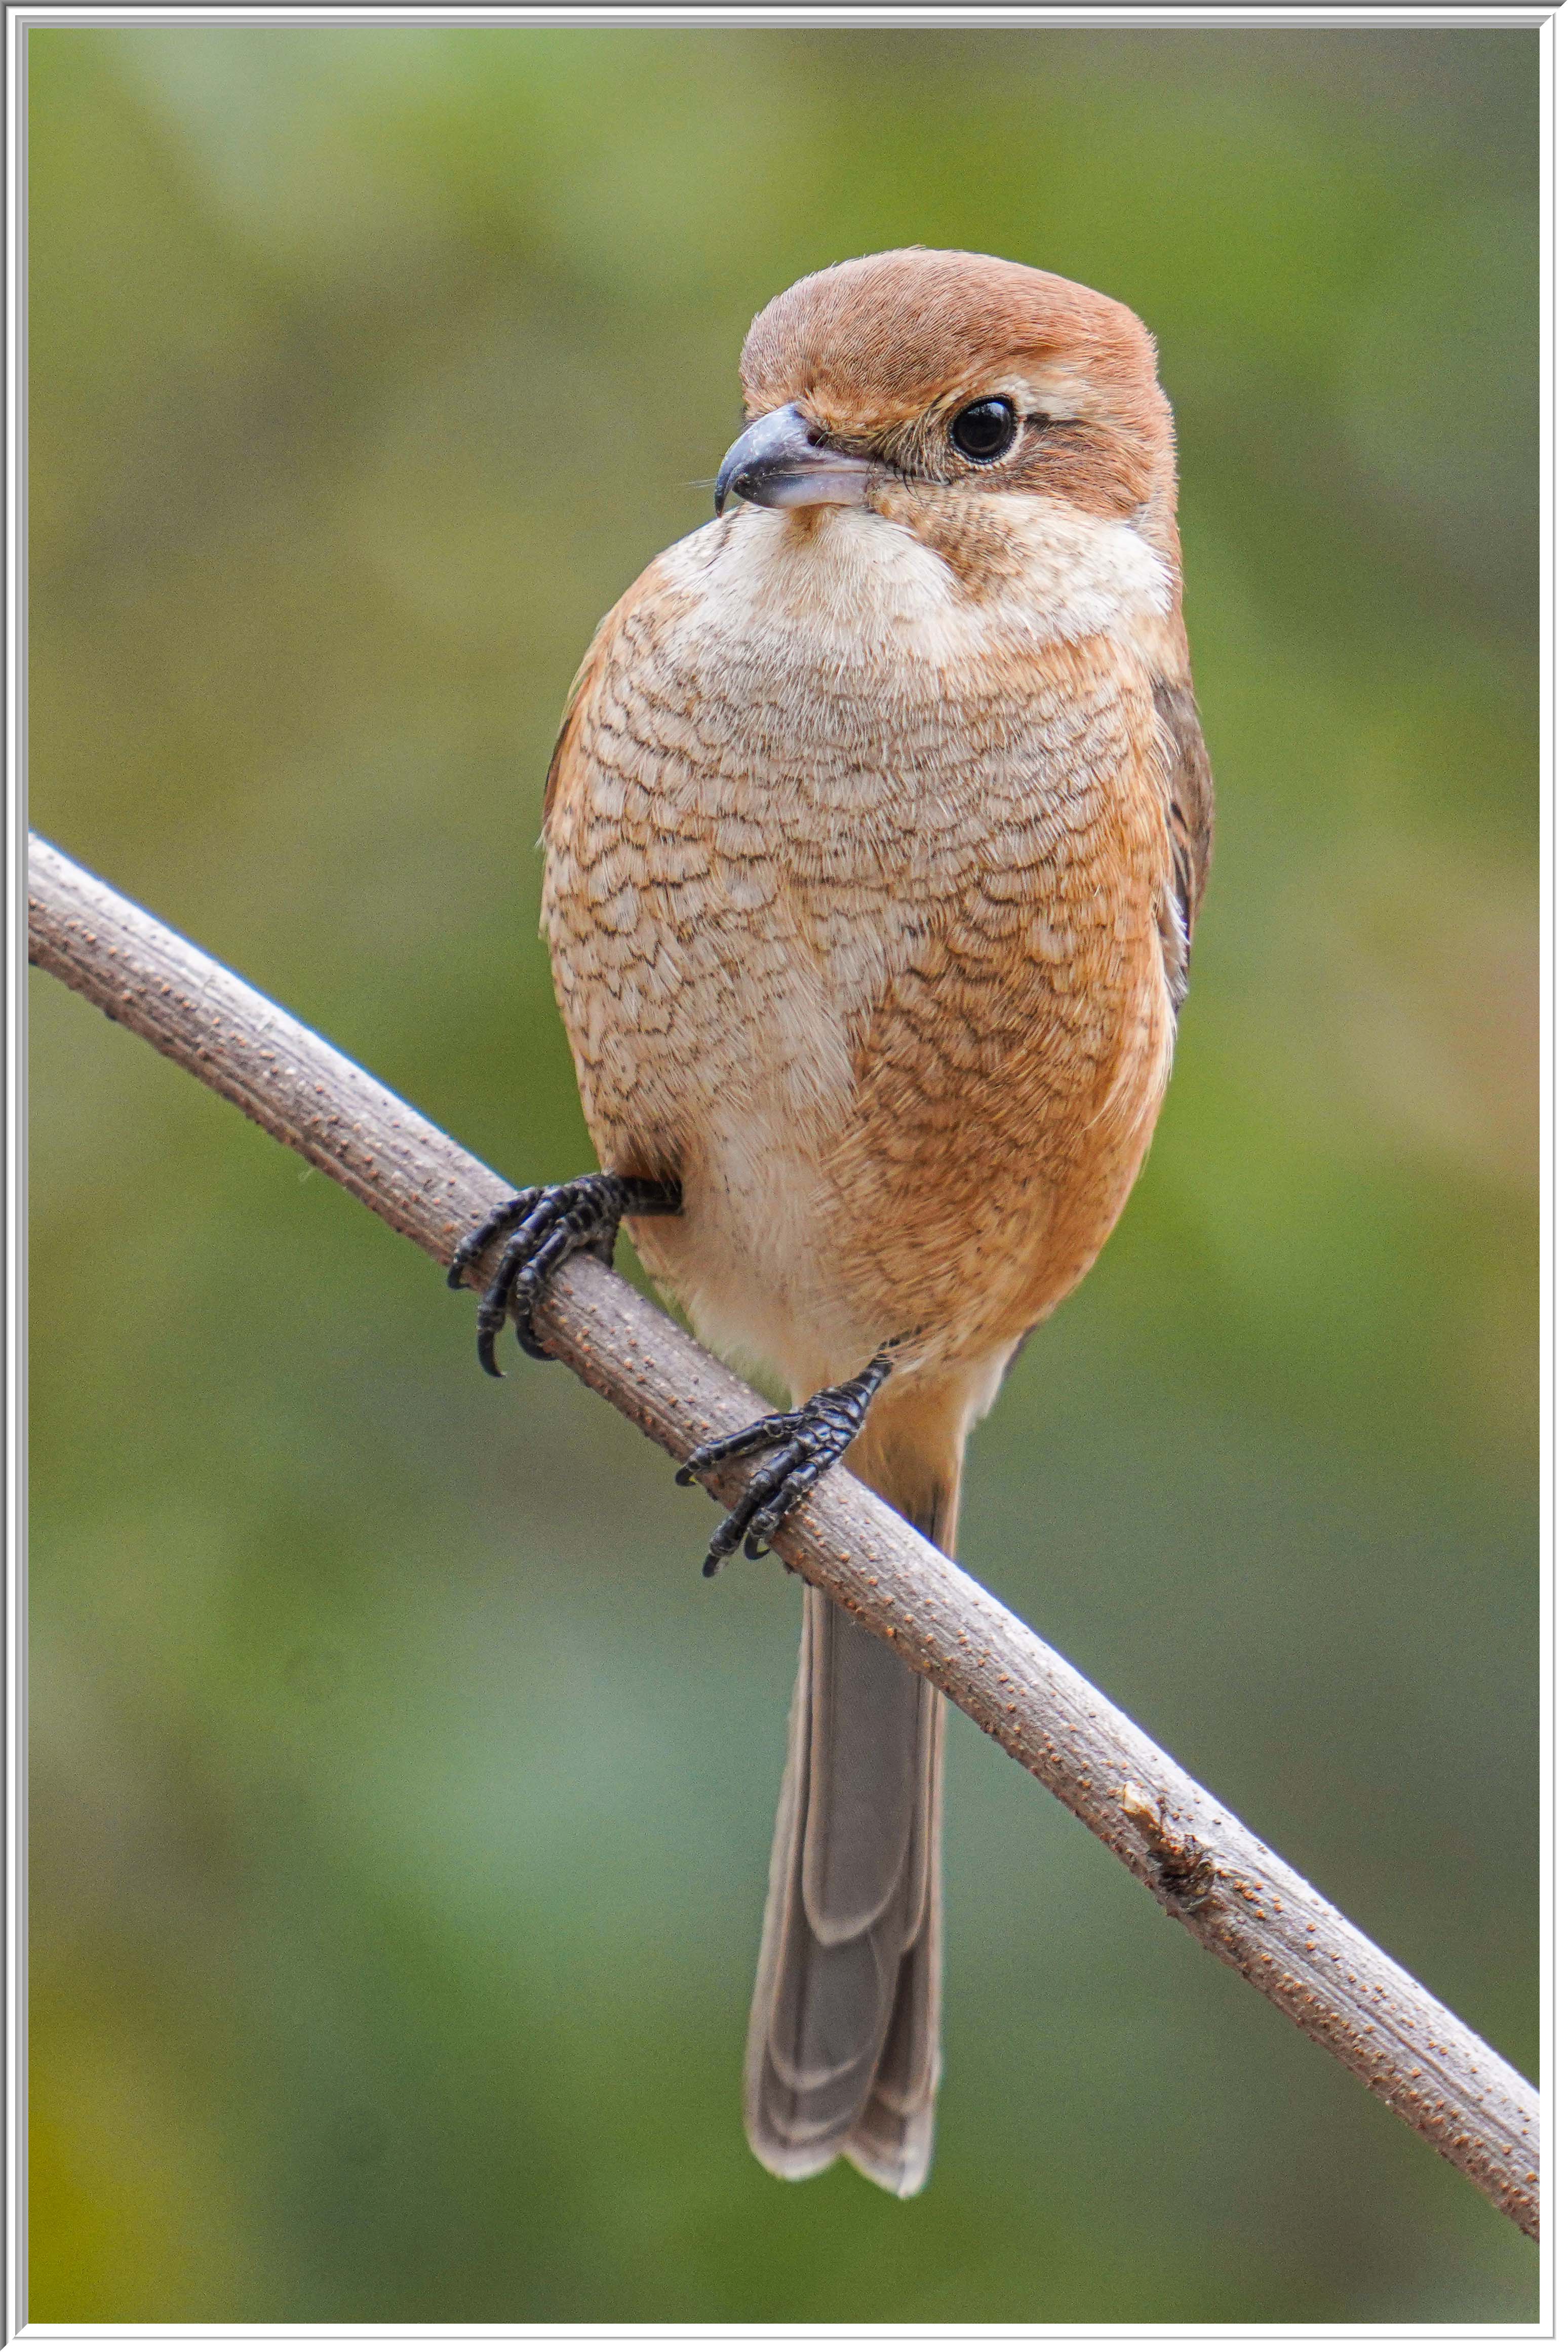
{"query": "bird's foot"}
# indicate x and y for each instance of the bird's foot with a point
(548, 1225)
(809, 1440)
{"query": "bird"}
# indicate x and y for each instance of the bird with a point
(874, 838)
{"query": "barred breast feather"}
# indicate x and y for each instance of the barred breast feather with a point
(857, 929)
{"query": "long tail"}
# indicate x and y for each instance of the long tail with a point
(844, 2051)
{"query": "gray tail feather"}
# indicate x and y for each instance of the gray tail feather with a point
(844, 2051)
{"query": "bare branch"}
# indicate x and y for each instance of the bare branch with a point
(1205, 1868)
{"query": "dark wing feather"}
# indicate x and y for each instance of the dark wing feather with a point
(1190, 822)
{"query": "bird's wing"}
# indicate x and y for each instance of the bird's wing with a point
(1189, 823)
(607, 644)
(588, 670)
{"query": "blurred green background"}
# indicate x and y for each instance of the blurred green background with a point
(401, 1795)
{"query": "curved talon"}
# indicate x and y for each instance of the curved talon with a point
(808, 1442)
(492, 1323)
(548, 1223)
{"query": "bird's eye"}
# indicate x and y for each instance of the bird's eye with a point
(984, 430)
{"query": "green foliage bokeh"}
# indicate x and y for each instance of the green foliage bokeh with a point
(401, 1795)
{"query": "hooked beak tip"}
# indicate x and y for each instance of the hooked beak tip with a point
(779, 461)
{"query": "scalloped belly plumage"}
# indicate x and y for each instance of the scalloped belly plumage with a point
(868, 958)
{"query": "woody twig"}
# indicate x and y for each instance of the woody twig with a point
(1206, 1868)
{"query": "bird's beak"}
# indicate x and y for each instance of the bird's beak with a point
(777, 463)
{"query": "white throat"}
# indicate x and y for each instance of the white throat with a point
(856, 579)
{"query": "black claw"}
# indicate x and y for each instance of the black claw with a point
(808, 1442)
(546, 1226)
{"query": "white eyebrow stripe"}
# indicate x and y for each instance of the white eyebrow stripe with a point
(1059, 396)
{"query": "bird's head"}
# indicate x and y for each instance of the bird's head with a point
(965, 399)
